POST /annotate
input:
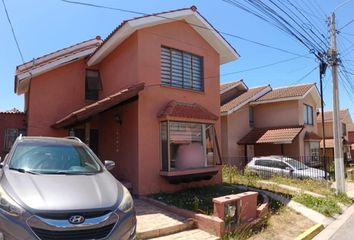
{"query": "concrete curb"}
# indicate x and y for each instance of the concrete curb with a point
(297, 207)
(332, 228)
(311, 232)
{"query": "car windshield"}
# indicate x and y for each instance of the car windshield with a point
(296, 164)
(53, 158)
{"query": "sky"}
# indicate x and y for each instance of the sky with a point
(42, 27)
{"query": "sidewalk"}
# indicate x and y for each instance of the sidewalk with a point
(342, 228)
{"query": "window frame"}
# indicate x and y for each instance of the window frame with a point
(183, 85)
(308, 118)
(88, 92)
(168, 142)
(6, 145)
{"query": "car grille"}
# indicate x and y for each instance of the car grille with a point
(97, 233)
(66, 215)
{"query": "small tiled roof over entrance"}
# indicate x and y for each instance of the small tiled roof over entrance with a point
(95, 108)
(271, 135)
(180, 110)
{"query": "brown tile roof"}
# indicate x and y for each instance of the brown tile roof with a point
(271, 135)
(186, 110)
(286, 92)
(99, 106)
(59, 54)
(328, 116)
(12, 111)
(243, 98)
(225, 86)
(311, 136)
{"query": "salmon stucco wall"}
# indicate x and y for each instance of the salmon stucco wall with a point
(10, 120)
(276, 114)
(237, 127)
(119, 69)
(181, 36)
(54, 95)
(118, 141)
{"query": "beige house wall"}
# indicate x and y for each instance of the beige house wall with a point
(276, 114)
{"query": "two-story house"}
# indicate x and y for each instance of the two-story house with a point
(262, 121)
(146, 97)
(345, 120)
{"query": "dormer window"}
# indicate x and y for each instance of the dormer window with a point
(92, 84)
(181, 69)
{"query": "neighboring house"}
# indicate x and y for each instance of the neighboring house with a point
(147, 97)
(350, 129)
(12, 124)
(346, 120)
(263, 121)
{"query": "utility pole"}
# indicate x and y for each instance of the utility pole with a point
(337, 126)
(323, 67)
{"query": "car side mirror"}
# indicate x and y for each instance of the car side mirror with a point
(109, 164)
(289, 169)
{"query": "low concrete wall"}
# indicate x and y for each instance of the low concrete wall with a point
(214, 224)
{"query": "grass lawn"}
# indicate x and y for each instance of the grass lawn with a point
(285, 225)
(199, 199)
(327, 206)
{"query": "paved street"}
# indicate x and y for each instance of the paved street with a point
(346, 231)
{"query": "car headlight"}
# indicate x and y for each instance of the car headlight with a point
(8, 205)
(127, 201)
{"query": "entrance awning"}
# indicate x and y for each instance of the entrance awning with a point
(271, 136)
(186, 112)
(86, 112)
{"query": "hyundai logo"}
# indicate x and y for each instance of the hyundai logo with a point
(76, 219)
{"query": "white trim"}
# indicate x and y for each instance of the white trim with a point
(266, 90)
(237, 83)
(226, 52)
(56, 54)
(23, 77)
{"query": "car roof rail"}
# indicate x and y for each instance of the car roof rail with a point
(73, 138)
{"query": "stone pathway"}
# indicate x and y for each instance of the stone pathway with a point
(195, 234)
(156, 223)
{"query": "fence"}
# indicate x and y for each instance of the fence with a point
(319, 168)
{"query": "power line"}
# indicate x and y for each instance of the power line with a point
(350, 22)
(268, 14)
(264, 66)
(13, 31)
(305, 76)
(195, 25)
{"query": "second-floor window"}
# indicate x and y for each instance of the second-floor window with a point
(251, 116)
(92, 84)
(308, 114)
(181, 69)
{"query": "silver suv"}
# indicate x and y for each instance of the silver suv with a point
(56, 188)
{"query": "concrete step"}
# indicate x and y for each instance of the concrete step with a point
(194, 234)
(187, 224)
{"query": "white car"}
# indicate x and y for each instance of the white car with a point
(284, 166)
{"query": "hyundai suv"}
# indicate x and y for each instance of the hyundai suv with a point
(57, 188)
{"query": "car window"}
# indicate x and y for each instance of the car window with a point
(279, 164)
(264, 163)
(53, 158)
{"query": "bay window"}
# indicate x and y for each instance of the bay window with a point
(187, 145)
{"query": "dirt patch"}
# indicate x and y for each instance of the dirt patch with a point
(284, 225)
